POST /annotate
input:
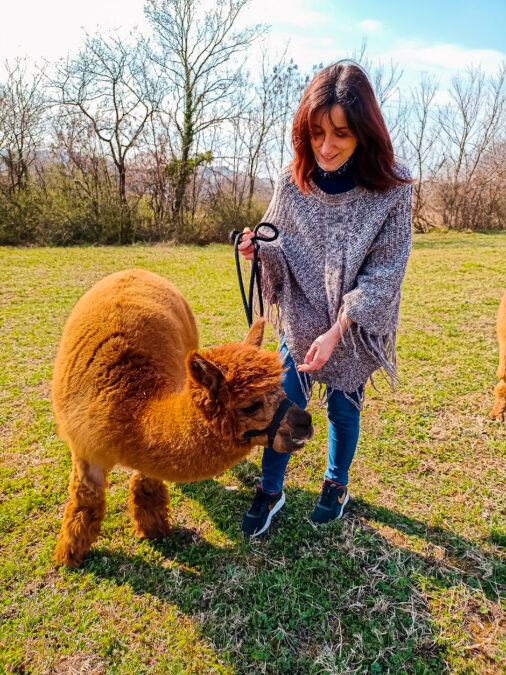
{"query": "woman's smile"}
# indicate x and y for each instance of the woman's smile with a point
(325, 159)
(331, 140)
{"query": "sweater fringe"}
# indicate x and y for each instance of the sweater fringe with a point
(381, 347)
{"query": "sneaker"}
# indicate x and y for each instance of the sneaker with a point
(264, 505)
(333, 499)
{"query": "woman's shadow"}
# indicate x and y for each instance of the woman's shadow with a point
(291, 595)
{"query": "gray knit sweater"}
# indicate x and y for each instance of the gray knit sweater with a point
(338, 253)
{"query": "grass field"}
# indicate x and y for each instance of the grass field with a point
(408, 582)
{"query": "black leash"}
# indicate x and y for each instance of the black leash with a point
(236, 238)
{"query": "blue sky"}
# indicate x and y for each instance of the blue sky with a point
(437, 37)
(473, 25)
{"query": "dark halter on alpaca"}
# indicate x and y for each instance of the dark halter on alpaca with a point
(273, 427)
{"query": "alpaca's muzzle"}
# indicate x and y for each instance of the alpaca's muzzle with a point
(299, 422)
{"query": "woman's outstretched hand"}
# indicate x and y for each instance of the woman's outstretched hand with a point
(321, 349)
(319, 352)
(245, 248)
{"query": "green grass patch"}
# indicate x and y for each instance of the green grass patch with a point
(410, 581)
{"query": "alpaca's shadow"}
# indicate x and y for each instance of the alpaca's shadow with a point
(302, 581)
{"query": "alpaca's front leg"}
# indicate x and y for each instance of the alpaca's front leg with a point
(83, 514)
(149, 507)
(499, 408)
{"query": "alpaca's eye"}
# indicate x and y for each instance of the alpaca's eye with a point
(252, 408)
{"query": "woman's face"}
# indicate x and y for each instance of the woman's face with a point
(332, 142)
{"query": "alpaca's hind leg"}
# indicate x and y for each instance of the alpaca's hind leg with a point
(149, 507)
(83, 514)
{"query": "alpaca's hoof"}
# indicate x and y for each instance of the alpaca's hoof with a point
(64, 554)
(497, 412)
(159, 530)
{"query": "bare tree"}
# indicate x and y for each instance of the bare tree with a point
(22, 108)
(258, 138)
(3, 115)
(470, 126)
(385, 80)
(110, 84)
(263, 112)
(155, 160)
(197, 52)
(420, 135)
(249, 144)
(229, 186)
(290, 85)
(81, 160)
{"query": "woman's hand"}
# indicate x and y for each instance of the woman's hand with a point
(319, 352)
(246, 247)
(321, 349)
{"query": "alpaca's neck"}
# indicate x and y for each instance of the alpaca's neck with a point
(179, 444)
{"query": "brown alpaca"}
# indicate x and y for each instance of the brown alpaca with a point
(130, 388)
(499, 406)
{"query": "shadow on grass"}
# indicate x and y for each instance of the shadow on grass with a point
(478, 567)
(305, 599)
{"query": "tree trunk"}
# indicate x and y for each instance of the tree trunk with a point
(250, 193)
(122, 182)
(184, 172)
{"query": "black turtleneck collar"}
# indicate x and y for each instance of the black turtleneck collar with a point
(337, 181)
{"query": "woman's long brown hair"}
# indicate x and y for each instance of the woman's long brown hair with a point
(346, 83)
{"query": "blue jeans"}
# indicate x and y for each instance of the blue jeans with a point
(344, 427)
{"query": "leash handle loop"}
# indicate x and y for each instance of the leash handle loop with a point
(237, 238)
(269, 226)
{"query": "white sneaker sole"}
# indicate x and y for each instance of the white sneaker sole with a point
(346, 500)
(274, 510)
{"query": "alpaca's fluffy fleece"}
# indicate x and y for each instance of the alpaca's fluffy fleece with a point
(499, 407)
(129, 387)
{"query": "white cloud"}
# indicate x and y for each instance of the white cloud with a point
(446, 57)
(370, 26)
(306, 51)
(295, 13)
(52, 28)
(316, 33)
(443, 61)
(441, 97)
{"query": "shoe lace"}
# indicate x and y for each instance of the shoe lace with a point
(326, 494)
(329, 492)
(258, 502)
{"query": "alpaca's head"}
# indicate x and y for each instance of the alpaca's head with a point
(238, 387)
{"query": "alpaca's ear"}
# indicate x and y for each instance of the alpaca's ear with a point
(256, 333)
(205, 373)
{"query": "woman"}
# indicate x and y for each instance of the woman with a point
(343, 210)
